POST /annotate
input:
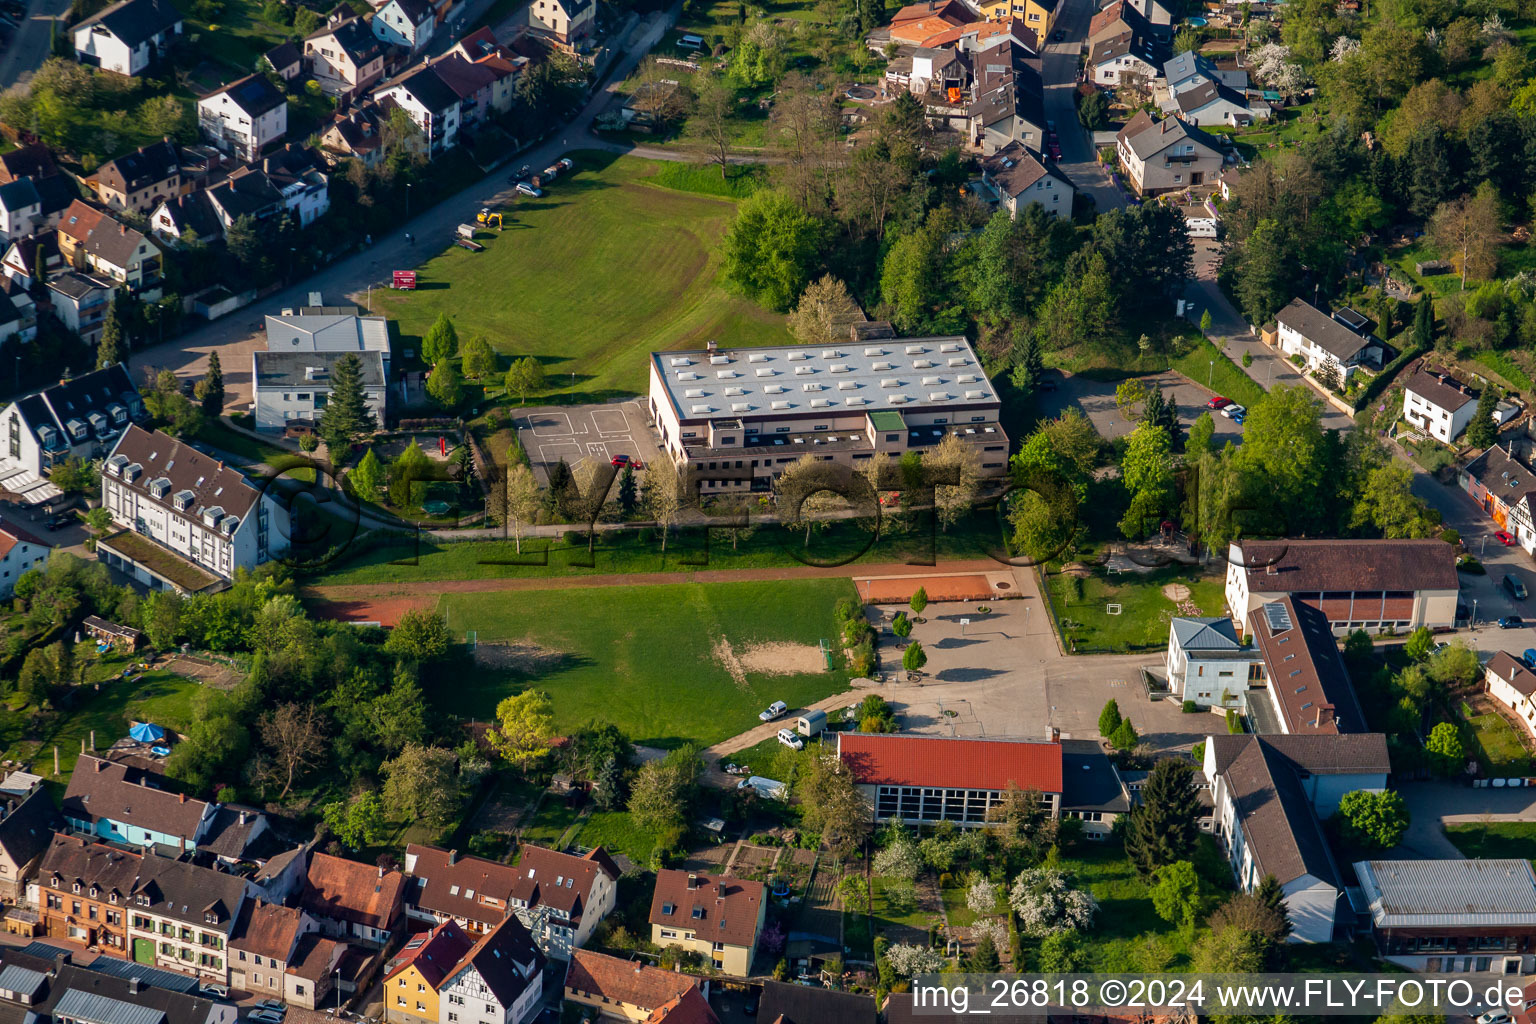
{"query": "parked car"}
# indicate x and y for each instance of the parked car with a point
(530, 190)
(1529, 657)
(789, 739)
(1504, 537)
(266, 1016)
(210, 988)
(1494, 1017)
(1239, 417)
(1232, 411)
(275, 1005)
(1050, 127)
(1515, 587)
(619, 460)
(1055, 150)
(59, 521)
(565, 163)
(1217, 402)
(1511, 622)
(774, 710)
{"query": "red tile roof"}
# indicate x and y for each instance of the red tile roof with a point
(346, 890)
(449, 885)
(689, 1008)
(434, 954)
(951, 763)
(267, 929)
(625, 981)
(1292, 566)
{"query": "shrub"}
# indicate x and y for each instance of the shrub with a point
(1247, 359)
(1190, 707)
(901, 625)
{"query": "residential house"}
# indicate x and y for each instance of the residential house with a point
(499, 981)
(33, 160)
(124, 804)
(1438, 404)
(1216, 103)
(244, 117)
(83, 890)
(1308, 687)
(127, 36)
(1125, 16)
(187, 520)
(139, 181)
(78, 418)
(21, 208)
(345, 58)
(1009, 104)
(354, 134)
(922, 779)
(292, 388)
(1189, 69)
(320, 966)
(1452, 916)
(716, 916)
(1039, 16)
(1511, 682)
(560, 897)
(20, 551)
(1127, 57)
(484, 88)
(246, 193)
(1360, 583)
(306, 330)
(565, 21)
(786, 1003)
(1092, 790)
(1166, 156)
(25, 258)
(299, 176)
(1323, 341)
(80, 301)
(405, 23)
(18, 314)
(1270, 794)
(43, 984)
(93, 241)
(473, 892)
(915, 24)
(622, 989)
(352, 900)
(181, 916)
(1207, 663)
(413, 979)
(286, 61)
(192, 216)
(239, 834)
(1500, 480)
(1021, 179)
(432, 104)
(26, 831)
(262, 945)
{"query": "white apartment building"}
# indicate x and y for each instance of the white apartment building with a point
(1322, 340)
(127, 36)
(1208, 664)
(499, 981)
(301, 330)
(1438, 404)
(20, 552)
(78, 418)
(181, 916)
(1512, 683)
(244, 117)
(292, 388)
(188, 521)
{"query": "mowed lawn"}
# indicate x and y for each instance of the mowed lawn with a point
(1144, 606)
(607, 267)
(647, 658)
(1496, 839)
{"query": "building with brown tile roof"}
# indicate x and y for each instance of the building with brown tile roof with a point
(414, 978)
(128, 805)
(783, 1003)
(628, 989)
(263, 944)
(689, 1008)
(353, 900)
(1511, 682)
(474, 891)
(503, 972)
(84, 888)
(26, 831)
(33, 161)
(311, 975)
(561, 897)
(1359, 583)
(714, 915)
(1309, 689)
(181, 916)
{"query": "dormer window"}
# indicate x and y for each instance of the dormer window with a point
(116, 463)
(75, 887)
(183, 500)
(666, 908)
(159, 487)
(698, 913)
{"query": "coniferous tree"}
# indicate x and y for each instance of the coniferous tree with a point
(1481, 432)
(211, 387)
(629, 496)
(346, 412)
(113, 346)
(1424, 323)
(1270, 894)
(1165, 827)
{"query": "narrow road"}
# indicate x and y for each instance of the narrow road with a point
(29, 46)
(1059, 74)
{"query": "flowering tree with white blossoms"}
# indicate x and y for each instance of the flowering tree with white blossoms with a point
(1046, 902)
(908, 960)
(981, 897)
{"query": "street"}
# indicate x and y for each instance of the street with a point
(1059, 74)
(29, 46)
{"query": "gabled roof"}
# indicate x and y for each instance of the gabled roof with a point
(562, 881)
(625, 981)
(213, 484)
(101, 789)
(27, 830)
(717, 908)
(33, 161)
(1321, 329)
(80, 993)
(55, 192)
(1197, 98)
(418, 12)
(442, 882)
(1014, 169)
(233, 829)
(247, 191)
(355, 38)
(135, 21)
(1284, 836)
(194, 895)
(462, 76)
(284, 55)
(783, 1003)
(79, 221)
(1306, 675)
(1438, 389)
(434, 954)
(1504, 473)
(193, 212)
(1361, 753)
(1140, 45)
(689, 1008)
(80, 859)
(918, 760)
(18, 195)
(346, 890)
(253, 94)
(1359, 564)
(506, 960)
(1147, 137)
(267, 929)
(1206, 634)
(1512, 671)
(427, 87)
(148, 165)
(1449, 893)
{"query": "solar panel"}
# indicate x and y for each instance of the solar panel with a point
(1279, 618)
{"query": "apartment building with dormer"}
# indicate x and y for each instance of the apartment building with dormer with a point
(181, 916)
(187, 520)
(79, 418)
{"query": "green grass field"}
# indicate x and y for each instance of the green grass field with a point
(605, 268)
(1495, 839)
(1495, 744)
(1144, 608)
(651, 660)
(1207, 365)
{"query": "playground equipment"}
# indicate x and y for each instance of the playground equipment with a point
(487, 216)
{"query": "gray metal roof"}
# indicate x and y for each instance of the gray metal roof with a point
(1449, 893)
(152, 976)
(315, 369)
(858, 376)
(21, 979)
(90, 1008)
(1206, 634)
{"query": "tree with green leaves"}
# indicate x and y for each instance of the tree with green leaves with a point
(525, 723)
(440, 342)
(210, 390)
(919, 600)
(524, 376)
(1147, 472)
(1027, 364)
(357, 822)
(1271, 895)
(1176, 894)
(772, 248)
(1420, 645)
(423, 782)
(346, 416)
(479, 359)
(1481, 431)
(629, 494)
(1445, 749)
(1165, 827)
(1125, 737)
(1109, 718)
(1201, 435)
(420, 636)
(1373, 820)
(445, 385)
(914, 657)
(367, 476)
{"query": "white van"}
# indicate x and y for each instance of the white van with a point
(789, 739)
(691, 43)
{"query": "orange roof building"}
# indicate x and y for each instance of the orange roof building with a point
(929, 778)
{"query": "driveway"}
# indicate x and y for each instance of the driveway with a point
(1096, 400)
(1434, 804)
(1059, 74)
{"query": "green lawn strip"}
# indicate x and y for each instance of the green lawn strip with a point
(1211, 368)
(1495, 744)
(146, 552)
(550, 823)
(640, 551)
(602, 270)
(644, 658)
(1503, 366)
(884, 916)
(1495, 839)
(706, 179)
(1144, 607)
(616, 831)
(959, 915)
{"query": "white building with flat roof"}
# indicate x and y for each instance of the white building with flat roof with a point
(303, 331)
(753, 411)
(292, 388)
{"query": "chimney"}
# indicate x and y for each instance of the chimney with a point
(143, 781)
(100, 765)
(61, 960)
(93, 739)
(381, 870)
(1052, 734)
(453, 857)
(133, 986)
(181, 798)
(242, 817)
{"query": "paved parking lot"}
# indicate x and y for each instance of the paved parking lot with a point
(576, 432)
(1096, 400)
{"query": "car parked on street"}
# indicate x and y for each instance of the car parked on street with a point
(1217, 402)
(530, 190)
(1511, 622)
(1515, 587)
(1233, 411)
(1503, 537)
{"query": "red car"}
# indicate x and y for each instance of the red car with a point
(1218, 403)
(619, 460)
(1503, 537)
